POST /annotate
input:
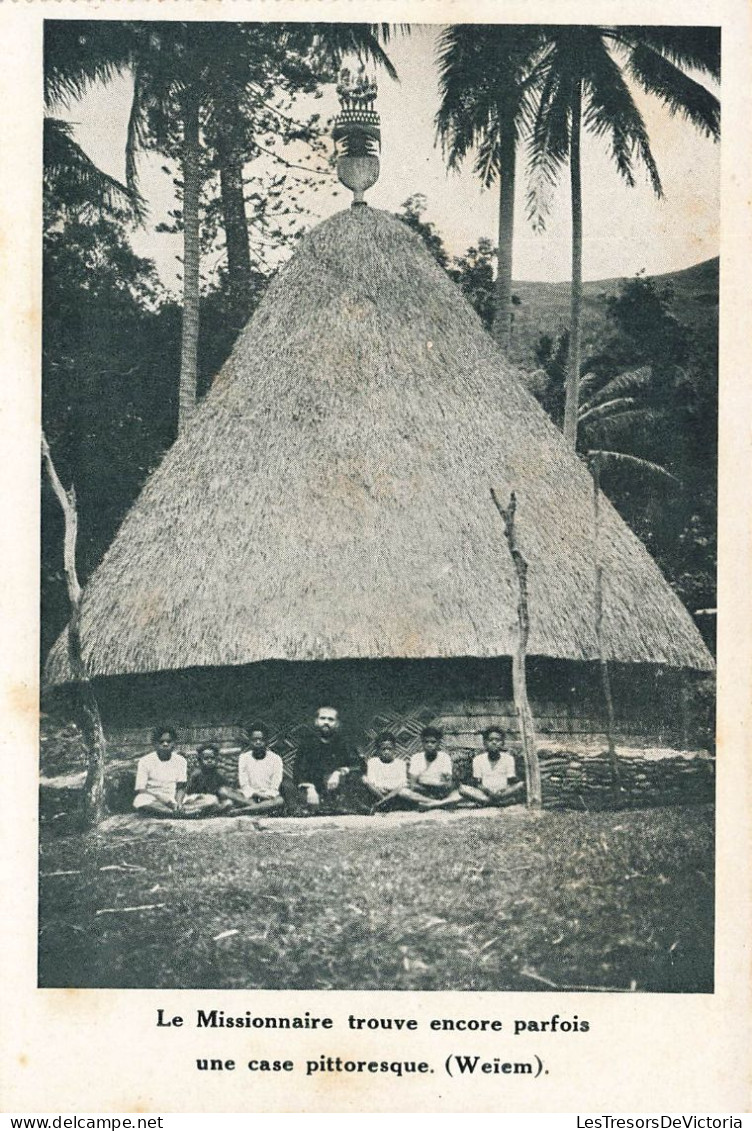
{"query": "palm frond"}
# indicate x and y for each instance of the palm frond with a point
(627, 420)
(636, 463)
(333, 42)
(65, 161)
(137, 132)
(487, 163)
(680, 94)
(487, 78)
(79, 53)
(610, 112)
(587, 382)
(693, 48)
(633, 380)
(589, 412)
(466, 107)
(548, 148)
(135, 135)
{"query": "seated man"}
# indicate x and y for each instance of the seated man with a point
(260, 773)
(493, 771)
(385, 778)
(322, 765)
(207, 790)
(161, 777)
(431, 778)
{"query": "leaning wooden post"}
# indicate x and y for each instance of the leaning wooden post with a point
(91, 721)
(595, 468)
(519, 677)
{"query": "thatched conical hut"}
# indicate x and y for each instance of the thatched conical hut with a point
(324, 531)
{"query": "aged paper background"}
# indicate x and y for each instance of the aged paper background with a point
(93, 1050)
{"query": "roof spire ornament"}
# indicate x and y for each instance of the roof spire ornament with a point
(357, 133)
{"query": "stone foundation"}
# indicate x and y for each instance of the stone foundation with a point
(571, 781)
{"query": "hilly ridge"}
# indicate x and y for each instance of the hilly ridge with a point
(544, 307)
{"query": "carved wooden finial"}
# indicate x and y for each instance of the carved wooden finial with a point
(357, 133)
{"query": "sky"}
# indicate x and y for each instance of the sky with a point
(626, 230)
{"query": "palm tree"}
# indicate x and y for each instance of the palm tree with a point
(583, 84)
(611, 409)
(617, 410)
(71, 174)
(213, 78)
(205, 81)
(487, 81)
(75, 56)
(167, 70)
(244, 58)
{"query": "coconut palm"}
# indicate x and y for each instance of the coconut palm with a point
(77, 54)
(583, 83)
(213, 79)
(203, 81)
(165, 62)
(612, 404)
(612, 410)
(487, 81)
(71, 174)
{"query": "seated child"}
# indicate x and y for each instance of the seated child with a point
(386, 774)
(207, 789)
(260, 773)
(493, 771)
(431, 778)
(161, 777)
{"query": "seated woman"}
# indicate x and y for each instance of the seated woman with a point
(260, 773)
(494, 773)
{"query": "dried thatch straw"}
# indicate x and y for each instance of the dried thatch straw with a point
(331, 497)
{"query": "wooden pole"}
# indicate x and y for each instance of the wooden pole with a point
(519, 676)
(595, 468)
(90, 718)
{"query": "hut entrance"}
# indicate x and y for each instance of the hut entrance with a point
(462, 696)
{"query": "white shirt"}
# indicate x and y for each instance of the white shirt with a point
(260, 775)
(432, 773)
(386, 775)
(159, 778)
(494, 776)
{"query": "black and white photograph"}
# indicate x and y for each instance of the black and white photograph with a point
(379, 467)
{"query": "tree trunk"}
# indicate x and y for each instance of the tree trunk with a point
(595, 468)
(519, 675)
(230, 153)
(90, 720)
(572, 403)
(191, 188)
(502, 326)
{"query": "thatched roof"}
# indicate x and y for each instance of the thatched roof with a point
(330, 499)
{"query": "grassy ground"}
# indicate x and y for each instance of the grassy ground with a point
(613, 900)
